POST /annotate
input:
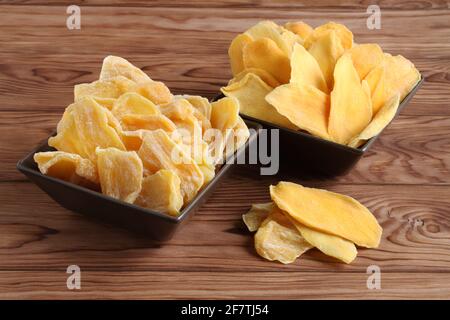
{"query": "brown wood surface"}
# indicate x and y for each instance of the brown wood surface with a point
(404, 179)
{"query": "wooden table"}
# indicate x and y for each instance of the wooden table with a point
(404, 180)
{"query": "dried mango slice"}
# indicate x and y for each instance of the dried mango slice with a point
(376, 82)
(147, 122)
(159, 151)
(365, 57)
(328, 212)
(251, 92)
(351, 108)
(263, 74)
(66, 166)
(224, 113)
(161, 192)
(112, 88)
(378, 123)
(304, 105)
(344, 35)
(156, 91)
(116, 66)
(300, 28)
(108, 103)
(401, 76)
(85, 126)
(181, 109)
(265, 54)
(327, 49)
(135, 104)
(199, 103)
(279, 240)
(235, 52)
(120, 173)
(306, 70)
(256, 215)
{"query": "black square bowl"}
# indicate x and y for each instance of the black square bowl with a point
(154, 224)
(304, 154)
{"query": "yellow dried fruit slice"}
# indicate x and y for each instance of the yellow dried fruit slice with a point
(265, 54)
(108, 103)
(180, 110)
(133, 122)
(120, 173)
(306, 70)
(235, 52)
(199, 103)
(328, 212)
(365, 57)
(344, 35)
(263, 74)
(300, 28)
(111, 89)
(256, 215)
(327, 49)
(224, 113)
(85, 126)
(378, 123)
(66, 166)
(376, 82)
(401, 76)
(279, 240)
(236, 138)
(157, 92)
(135, 104)
(133, 139)
(351, 106)
(116, 66)
(304, 105)
(161, 192)
(251, 92)
(159, 151)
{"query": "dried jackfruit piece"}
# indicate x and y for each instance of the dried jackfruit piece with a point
(365, 57)
(351, 106)
(134, 104)
(181, 110)
(344, 35)
(328, 212)
(378, 123)
(304, 105)
(224, 113)
(159, 151)
(278, 239)
(235, 52)
(161, 192)
(306, 70)
(120, 173)
(66, 166)
(299, 28)
(85, 126)
(200, 103)
(265, 54)
(251, 92)
(108, 103)
(116, 66)
(327, 49)
(133, 139)
(133, 122)
(156, 91)
(263, 74)
(256, 215)
(237, 138)
(110, 89)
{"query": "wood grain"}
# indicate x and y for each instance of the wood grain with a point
(404, 179)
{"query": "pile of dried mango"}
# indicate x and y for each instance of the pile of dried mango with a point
(129, 137)
(317, 80)
(301, 218)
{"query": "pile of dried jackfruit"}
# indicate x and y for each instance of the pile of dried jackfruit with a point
(317, 80)
(129, 137)
(301, 218)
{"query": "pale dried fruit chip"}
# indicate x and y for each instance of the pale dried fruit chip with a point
(365, 57)
(400, 75)
(108, 103)
(269, 30)
(304, 105)
(66, 166)
(180, 109)
(344, 35)
(251, 92)
(116, 66)
(299, 28)
(256, 215)
(161, 192)
(235, 52)
(224, 113)
(134, 104)
(237, 138)
(376, 82)
(199, 103)
(327, 50)
(328, 212)
(306, 70)
(159, 151)
(263, 74)
(351, 108)
(265, 54)
(379, 122)
(280, 241)
(133, 139)
(85, 126)
(156, 91)
(120, 173)
(147, 122)
(110, 89)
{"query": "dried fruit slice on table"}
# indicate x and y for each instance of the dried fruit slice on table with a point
(116, 66)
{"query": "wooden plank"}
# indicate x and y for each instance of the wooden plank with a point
(415, 219)
(218, 285)
(411, 150)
